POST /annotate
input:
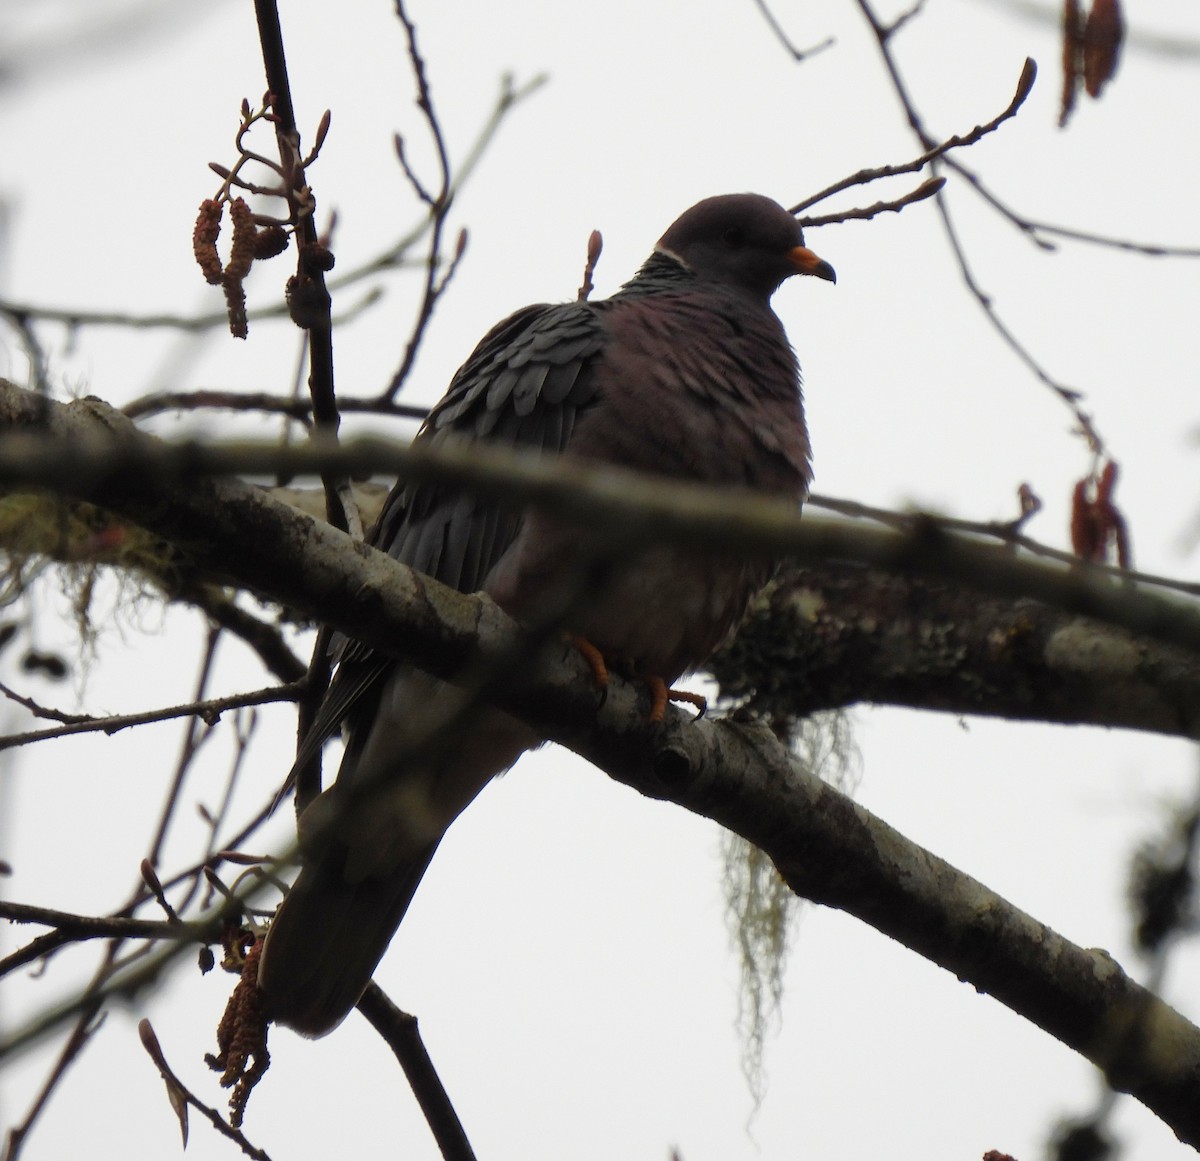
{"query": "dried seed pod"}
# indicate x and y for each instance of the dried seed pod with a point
(235, 305)
(1103, 36)
(204, 240)
(1072, 58)
(241, 250)
(270, 241)
(1083, 526)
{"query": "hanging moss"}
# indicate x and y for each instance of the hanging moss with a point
(43, 536)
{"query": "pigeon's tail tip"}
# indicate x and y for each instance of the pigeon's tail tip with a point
(325, 942)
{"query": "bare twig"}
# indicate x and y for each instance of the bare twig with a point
(86, 1025)
(797, 54)
(926, 189)
(22, 319)
(40, 711)
(70, 928)
(1005, 531)
(181, 1097)
(264, 638)
(293, 408)
(193, 739)
(209, 710)
(74, 318)
(308, 295)
(1071, 396)
(392, 257)
(1035, 228)
(400, 1033)
(243, 730)
(904, 17)
(1068, 395)
(439, 208)
(958, 141)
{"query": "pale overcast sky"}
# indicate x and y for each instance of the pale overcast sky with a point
(567, 954)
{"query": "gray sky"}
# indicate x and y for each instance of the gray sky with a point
(567, 954)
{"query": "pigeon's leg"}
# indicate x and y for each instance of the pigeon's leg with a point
(697, 700)
(596, 664)
(660, 694)
(595, 660)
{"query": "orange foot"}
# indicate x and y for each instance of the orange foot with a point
(596, 663)
(660, 695)
(594, 658)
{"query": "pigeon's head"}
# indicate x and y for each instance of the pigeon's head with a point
(742, 240)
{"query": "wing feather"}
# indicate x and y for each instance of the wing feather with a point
(523, 386)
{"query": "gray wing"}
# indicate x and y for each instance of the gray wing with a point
(523, 386)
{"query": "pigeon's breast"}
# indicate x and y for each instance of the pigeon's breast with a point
(695, 389)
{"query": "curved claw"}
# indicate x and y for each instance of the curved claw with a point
(699, 701)
(595, 660)
(660, 695)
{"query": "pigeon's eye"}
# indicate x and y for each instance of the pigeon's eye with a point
(734, 236)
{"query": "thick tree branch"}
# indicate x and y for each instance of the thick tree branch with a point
(832, 851)
(828, 848)
(90, 451)
(823, 638)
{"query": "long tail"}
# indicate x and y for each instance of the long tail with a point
(327, 939)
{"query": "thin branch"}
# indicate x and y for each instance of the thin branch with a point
(74, 318)
(181, 1097)
(208, 710)
(1147, 249)
(244, 727)
(40, 711)
(439, 208)
(265, 639)
(87, 1010)
(1067, 395)
(69, 929)
(799, 55)
(400, 1033)
(904, 17)
(293, 408)
(392, 257)
(925, 190)
(1002, 531)
(22, 321)
(193, 740)
(87, 1024)
(958, 141)
(309, 299)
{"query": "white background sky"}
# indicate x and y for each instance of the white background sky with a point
(567, 954)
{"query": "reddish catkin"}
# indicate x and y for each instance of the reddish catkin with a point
(1102, 38)
(204, 240)
(1097, 524)
(269, 241)
(1111, 521)
(235, 306)
(1083, 527)
(242, 1057)
(241, 249)
(1072, 46)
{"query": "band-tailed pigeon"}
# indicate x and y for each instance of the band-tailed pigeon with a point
(685, 372)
